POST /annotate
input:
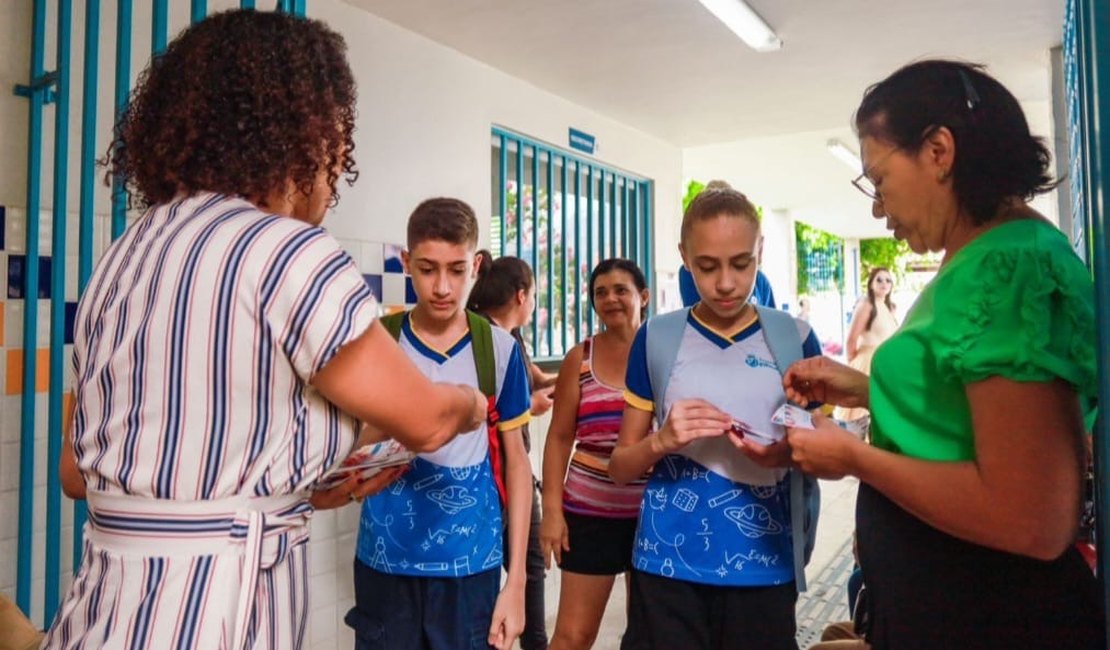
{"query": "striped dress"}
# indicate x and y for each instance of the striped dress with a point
(196, 430)
(589, 490)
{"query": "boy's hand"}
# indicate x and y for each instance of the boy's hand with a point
(689, 420)
(508, 617)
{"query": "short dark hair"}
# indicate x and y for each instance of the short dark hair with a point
(716, 200)
(997, 158)
(443, 219)
(239, 104)
(618, 264)
(498, 281)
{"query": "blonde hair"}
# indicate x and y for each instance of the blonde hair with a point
(718, 198)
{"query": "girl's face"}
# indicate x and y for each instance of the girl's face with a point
(617, 301)
(723, 253)
(526, 305)
(882, 284)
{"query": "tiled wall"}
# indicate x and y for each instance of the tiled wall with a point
(13, 302)
(332, 547)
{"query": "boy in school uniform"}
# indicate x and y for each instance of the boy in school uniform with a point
(429, 553)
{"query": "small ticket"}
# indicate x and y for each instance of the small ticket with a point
(792, 416)
(789, 415)
(366, 462)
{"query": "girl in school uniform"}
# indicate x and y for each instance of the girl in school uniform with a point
(712, 561)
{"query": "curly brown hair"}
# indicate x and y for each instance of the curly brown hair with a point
(240, 103)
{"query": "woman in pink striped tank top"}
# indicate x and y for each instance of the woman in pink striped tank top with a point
(588, 521)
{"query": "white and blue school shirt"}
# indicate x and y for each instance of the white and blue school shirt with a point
(710, 515)
(443, 518)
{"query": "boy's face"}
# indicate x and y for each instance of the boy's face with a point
(442, 275)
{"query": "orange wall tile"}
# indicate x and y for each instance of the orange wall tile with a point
(14, 361)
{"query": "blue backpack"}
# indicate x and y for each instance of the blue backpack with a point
(664, 337)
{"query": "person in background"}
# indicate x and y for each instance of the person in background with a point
(505, 293)
(872, 323)
(589, 521)
(970, 490)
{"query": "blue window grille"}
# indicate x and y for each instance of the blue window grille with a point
(563, 213)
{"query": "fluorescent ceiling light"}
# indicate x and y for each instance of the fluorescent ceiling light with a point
(745, 23)
(844, 154)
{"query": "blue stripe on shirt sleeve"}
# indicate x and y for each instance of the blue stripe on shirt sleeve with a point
(637, 380)
(515, 397)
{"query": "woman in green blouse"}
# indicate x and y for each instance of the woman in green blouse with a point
(970, 495)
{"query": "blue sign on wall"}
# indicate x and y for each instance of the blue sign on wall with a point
(581, 141)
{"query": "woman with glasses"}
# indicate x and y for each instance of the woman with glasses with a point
(872, 323)
(980, 402)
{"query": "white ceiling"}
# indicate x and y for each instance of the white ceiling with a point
(670, 69)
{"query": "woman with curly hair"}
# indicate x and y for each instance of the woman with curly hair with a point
(226, 348)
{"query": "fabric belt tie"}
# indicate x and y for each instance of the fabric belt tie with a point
(256, 528)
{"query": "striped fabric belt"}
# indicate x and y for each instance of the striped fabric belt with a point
(255, 528)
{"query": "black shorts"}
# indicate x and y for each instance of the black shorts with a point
(395, 611)
(664, 613)
(599, 546)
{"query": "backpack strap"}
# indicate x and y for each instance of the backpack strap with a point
(481, 338)
(481, 342)
(664, 337)
(392, 324)
(780, 331)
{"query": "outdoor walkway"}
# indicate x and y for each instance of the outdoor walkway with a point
(828, 571)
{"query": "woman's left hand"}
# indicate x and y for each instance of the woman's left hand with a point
(826, 451)
(354, 489)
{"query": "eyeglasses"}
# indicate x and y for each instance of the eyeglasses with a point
(864, 183)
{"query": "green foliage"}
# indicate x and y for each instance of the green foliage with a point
(820, 259)
(693, 188)
(885, 252)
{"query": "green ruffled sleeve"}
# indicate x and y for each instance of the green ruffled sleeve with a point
(1021, 311)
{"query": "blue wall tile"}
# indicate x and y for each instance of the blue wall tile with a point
(17, 265)
(374, 281)
(71, 315)
(410, 293)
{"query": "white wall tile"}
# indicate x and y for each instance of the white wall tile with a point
(321, 556)
(9, 466)
(393, 289)
(321, 626)
(372, 260)
(9, 515)
(15, 233)
(8, 562)
(9, 413)
(13, 321)
(323, 589)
